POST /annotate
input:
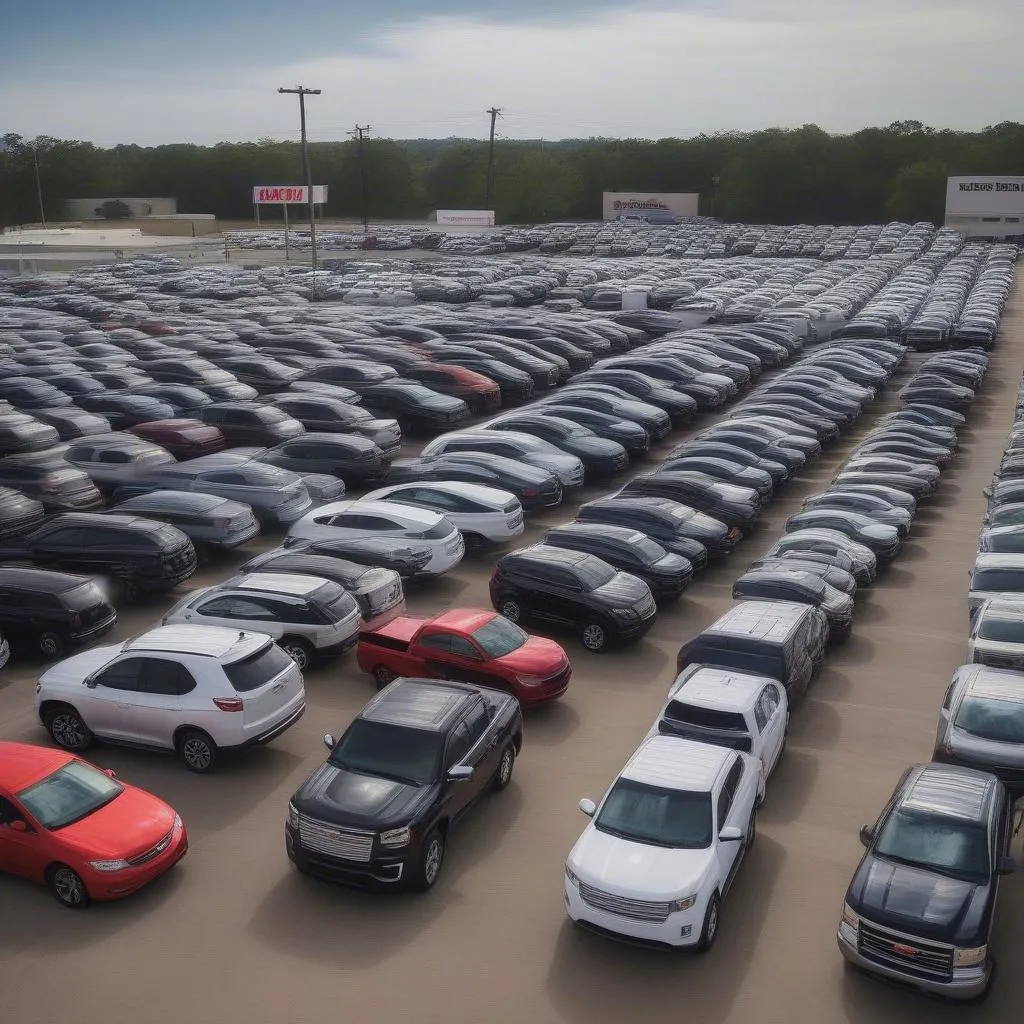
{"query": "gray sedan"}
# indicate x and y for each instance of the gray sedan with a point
(208, 520)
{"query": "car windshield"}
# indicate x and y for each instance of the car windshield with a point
(499, 637)
(998, 720)
(955, 848)
(1002, 629)
(412, 756)
(657, 817)
(258, 669)
(69, 794)
(1011, 580)
(594, 573)
(88, 595)
(647, 550)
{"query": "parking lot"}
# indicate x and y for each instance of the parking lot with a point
(235, 933)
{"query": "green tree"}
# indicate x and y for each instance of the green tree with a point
(918, 192)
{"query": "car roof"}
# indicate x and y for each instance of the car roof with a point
(226, 645)
(464, 619)
(765, 620)
(426, 704)
(380, 507)
(999, 560)
(948, 791)
(724, 689)
(781, 575)
(113, 439)
(175, 501)
(601, 531)
(467, 490)
(21, 764)
(993, 683)
(40, 580)
(287, 583)
(91, 520)
(675, 763)
(544, 553)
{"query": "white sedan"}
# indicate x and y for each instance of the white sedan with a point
(385, 521)
(665, 843)
(483, 515)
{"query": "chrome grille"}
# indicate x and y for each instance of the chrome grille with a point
(341, 843)
(646, 606)
(640, 910)
(904, 952)
(145, 858)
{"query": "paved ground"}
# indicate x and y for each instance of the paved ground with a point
(234, 934)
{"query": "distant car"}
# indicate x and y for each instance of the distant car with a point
(515, 385)
(260, 372)
(195, 690)
(311, 619)
(570, 588)
(184, 398)
(52, 611)
(250, 423)
(681, 408)
(430, 749)
(738, 508)
(629, 434)
(20, 432)
(417, 409)
(478, 391)
(45, 477)
(615, 402)
(356, 374)
(408, 558)
(378, 591)
(183, 438)
(469, 645)
(206, 519)
(600, 456)
(123, 409)
(80, 831)
(330, 415)
(1003, 539)
(882, 539)
(721, 450)
(116, 459)
(514, 445)
(890, 495)
(31, 394)
(859, 559)
(18, 513)
(72, 422)
(802, 587)
(825, 567)
(352, 457)
(724, 471)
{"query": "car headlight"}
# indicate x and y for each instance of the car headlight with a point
(571, 876)
(293, 815)
(109, 865)
(970, 957)
(684, 904)
(849, 917)
(177, 825)
(396, 836)
(626, 614)
(530, 680)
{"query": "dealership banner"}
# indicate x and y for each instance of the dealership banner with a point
(679, 204)
(983, 194)
(466, 218)
(281, 194)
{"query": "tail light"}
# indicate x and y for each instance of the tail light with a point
(229, 703)
(530, 493)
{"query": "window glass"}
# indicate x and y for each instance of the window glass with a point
(69, 794)
(9, 813)
(761, 714)
(500, 637)
(724, 804)
(258, 669)
(162, 676)
(437, 641)
(477, 721)
(464, 649)
(1004, 629)
(950, 847)
(999, 720)
(673, 818)
(122, 675)
(234, 607)
(458, 746)
(114, 456)
(593, 572)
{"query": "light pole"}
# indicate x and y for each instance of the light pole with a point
(302, 92)
(39, 186)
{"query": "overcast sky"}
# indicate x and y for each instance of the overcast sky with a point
(156, 71)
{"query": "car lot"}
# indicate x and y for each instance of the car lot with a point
(494, 929)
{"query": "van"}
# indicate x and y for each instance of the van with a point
(780, 639)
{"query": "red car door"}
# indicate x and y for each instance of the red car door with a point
(22, 853)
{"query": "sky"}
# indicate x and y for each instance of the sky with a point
(159, 71)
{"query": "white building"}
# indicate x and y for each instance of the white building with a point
(986, 206)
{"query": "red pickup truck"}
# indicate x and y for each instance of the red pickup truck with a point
(468, 645)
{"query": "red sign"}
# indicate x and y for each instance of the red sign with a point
(288, 194)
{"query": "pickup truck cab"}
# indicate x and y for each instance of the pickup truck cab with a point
(468, 645)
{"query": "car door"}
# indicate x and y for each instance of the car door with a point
(24, 854)
(483, 749)
(459, 795)
(66, 548)
(435, 648)
(769, 710)
(729, 810)
(160, 687)
(551, 589)
(108, 701)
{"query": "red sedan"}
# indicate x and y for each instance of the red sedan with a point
(183, 438)
(468, 645)
(76, 829)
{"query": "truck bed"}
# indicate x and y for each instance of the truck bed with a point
(395, 635)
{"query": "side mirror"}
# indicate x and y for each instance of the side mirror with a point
(19, 826)
(111, 773)
(731, 834)
(1006, 866)
(867, 835)
(588, 807)
(328, 741)
(460, 773)
(90, 682)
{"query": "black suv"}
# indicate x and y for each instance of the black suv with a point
(51, 611)
(412, 762)
(737, 507)
(142, 555)
(417, 409)
(573, 589)
(920, 906)
(249, 423)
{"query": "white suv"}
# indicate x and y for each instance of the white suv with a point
(313, 619)
(728, 709)
(196, 690)
(665, 844)
(483, 515)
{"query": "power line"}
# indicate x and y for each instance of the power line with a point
(302, 92)
(495, 113)
(358, 133)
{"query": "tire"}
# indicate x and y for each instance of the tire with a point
(511, 610)
(709, 930)
(51, 645)
(67, 887)
(197, 751)
(503, 775)
(428, 870)
(67, 729)
(299, 651)
(382, 675)
(594, 637)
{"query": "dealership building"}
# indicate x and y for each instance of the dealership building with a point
(679, 204)
(986, 206)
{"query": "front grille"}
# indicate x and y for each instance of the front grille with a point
(151, 854)
(559, 679)
(906, 954)
(646, 606)
(639, 910)
(332, 841)
(515, 520)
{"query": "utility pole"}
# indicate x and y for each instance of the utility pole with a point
(359, 133)
(39, 186)
(495, 113)
(302, 92)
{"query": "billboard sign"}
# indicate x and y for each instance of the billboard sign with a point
(466, 218)
(282, 194)
(679, 204)
(979, 195)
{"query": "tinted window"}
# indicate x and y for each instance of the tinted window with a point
(500, 637)
(1003, 630)
(235, 607)
(657, 817)
(458, 746)
(707, 718)
(646, 549)
(464, 649)
(477, 721)
(161, 676)
(391, 751)
(437, 641)
(950, 847)
(88, 595)
(593, 572)
(998, 720)
(258, 669)
(122, 676)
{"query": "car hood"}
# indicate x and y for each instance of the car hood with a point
(538, 656)
(623, 590)
(636, 870)
(359, 801)
(128, 826)
(917, 901)
(74, 670)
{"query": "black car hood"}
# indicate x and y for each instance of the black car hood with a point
(359, 801)
(623, 590)
(919, 902)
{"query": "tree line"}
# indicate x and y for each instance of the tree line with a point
(802, 175)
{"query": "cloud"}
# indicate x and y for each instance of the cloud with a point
(652, 70)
